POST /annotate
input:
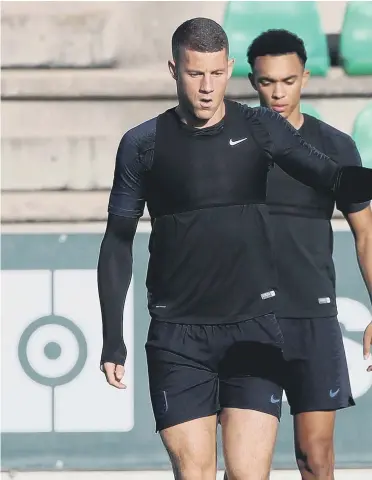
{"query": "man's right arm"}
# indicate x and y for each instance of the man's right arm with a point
(126, 205)
(114, 275)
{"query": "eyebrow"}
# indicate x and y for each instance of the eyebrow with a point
(291, 77)
(191, 70)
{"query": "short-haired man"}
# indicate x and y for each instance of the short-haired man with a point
(318, 384)
(202, 169)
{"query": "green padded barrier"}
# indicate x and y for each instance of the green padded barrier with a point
(310, 110)
(243, 21)
(362, 134)
(356, 39)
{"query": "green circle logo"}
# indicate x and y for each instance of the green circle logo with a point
(52, 351)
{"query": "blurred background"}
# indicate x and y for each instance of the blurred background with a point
(74, 77)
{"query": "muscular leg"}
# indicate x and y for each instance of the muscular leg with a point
(248, 443)
(184, 389)
(314, 444)
(311, 381)
(250, 398)
(192, 449)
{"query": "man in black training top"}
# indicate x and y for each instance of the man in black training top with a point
(202, 169)
(317, 384)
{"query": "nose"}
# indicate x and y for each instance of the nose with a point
(207, 84)
(278, 92)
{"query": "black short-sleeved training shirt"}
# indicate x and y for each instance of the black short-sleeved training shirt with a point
(302, 231)
(211, 258)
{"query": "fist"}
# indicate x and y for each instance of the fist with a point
(114, 374)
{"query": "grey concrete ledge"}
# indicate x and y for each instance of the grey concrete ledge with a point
(149, 83)
(53, 206)
(57, 206)
(59, 34)
(61, 206)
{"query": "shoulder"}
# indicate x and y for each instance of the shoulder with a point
(240, 109)
(341, 139)
(142, 136)
(255, 115)
(340, 146)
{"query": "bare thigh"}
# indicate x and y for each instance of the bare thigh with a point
(248, 443)
(192, 448)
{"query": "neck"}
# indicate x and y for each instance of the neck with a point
(187, 117)
(296, 119)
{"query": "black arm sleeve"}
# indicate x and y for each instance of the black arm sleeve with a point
(126, 206)
(349, 156)
(114, 275)
(306, 164)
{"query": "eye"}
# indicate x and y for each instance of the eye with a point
(217, 74)
(194, 74)
(265, 83)
(290, 82)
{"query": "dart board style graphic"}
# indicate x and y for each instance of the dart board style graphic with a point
(51, 346)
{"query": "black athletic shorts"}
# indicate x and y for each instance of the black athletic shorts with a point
(314, 369)
(197, 370)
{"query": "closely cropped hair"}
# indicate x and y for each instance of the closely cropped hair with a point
(276, 42)
(200, 35)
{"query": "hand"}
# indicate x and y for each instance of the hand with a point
(367, 342)
(114, 374)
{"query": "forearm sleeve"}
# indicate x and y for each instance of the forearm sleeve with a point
(114, 276)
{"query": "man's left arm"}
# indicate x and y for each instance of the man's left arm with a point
(359, 217)
(361, 225)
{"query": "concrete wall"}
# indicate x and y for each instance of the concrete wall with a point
(94, 34)
(77, 75)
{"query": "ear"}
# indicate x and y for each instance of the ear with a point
(251, 79)
(305, 78)
(230, 67)
(172, 69)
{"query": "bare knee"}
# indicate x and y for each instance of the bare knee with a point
(314, 444)
(190, 465)
(315, 459)
(248, 441)
(192, 450)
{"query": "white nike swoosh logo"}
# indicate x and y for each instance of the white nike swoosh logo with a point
(333, 394)
(232, 142)
(274, 400)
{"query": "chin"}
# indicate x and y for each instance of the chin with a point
(204, 114)
(284, 114)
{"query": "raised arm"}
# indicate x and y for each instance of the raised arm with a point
(126, 205)
(288, 149)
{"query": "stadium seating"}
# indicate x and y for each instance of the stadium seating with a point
(356, 39)
(310, 110)
(362, 134)
(243, 21)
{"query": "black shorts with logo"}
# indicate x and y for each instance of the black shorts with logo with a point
(314, 368)
(197, 370)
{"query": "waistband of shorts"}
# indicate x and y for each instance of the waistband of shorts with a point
(193, 320)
